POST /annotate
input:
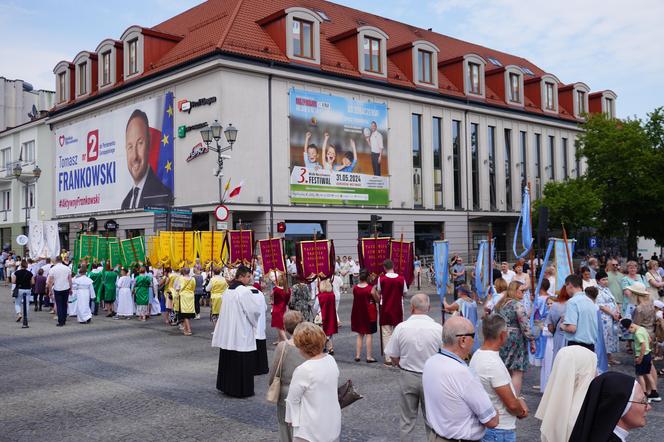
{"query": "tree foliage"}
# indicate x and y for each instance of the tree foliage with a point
(572, 203)
(625, 159)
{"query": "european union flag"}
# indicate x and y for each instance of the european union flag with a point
(165, 169)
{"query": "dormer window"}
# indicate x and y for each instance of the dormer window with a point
(62, 87)
(82, 78)
(105, 68)
(303, 38)
(515, 87)
(549, 101)
(132, 47)
(424, 66)
(581, 102)
(609, 107)
(474, 84)
(372, 54)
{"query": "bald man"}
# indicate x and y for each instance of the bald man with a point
(412, 343)
(457, 406)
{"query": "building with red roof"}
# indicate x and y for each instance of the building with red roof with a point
(341, 114)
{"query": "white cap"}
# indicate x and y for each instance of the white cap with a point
(659, 304)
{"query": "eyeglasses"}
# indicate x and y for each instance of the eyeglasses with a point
(644, 401)
(470, 335)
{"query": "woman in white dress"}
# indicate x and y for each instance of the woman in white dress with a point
(312, 404)
(125, 307)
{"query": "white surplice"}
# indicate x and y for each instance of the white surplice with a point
(125, 301)
(82, 291)
(155, 307)
(238, 320)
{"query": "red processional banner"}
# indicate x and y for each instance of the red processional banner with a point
(272, 252)
(315, 259)
(373, 252)
(241, 247)
(401, 254)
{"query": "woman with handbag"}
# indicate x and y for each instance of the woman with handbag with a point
(312, 404)
(364, 315)
(286, 359)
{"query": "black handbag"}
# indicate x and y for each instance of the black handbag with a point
(347, 394)
(15, 291)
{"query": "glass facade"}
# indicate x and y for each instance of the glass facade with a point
(474, 151)
(456, 159)
(417, 159)
(437, 141)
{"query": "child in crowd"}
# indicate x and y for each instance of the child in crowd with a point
(40, 290)
(325, 302)
(541, 310)
(645, 370)
(547, 360)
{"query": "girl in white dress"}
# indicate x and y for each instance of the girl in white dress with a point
(125, 308)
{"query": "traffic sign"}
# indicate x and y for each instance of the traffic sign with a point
(221, 212)
(593, 242)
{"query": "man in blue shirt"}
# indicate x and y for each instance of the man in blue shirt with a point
(580, 321)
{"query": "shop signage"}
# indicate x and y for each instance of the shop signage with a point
(186, 105)
(197, 151)
(182, 130)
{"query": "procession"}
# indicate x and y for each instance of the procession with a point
(331, 221)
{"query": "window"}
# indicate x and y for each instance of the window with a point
(515, 89)
(106, 68)
(5, 157)
(549, 101)
(491, 138)
(82, 78)
(28, 151)
(62, 87)
(456, 159)
(474, 148)
(372, 61)
(578, 163)
(30, 196)
(564, 148)
(581, 100)
(527, 71)
(494, 61)
(538, 165)
(524, 147)
(608, 105)
(5, 200)
(417, 159)
(303, 38)
(552, 158)
(474, 79)
(508, 169)
(424, 67)
(133, 56)
(436, 138)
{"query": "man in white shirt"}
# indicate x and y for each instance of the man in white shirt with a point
(506, 273)
(457, 407)
(496, 380)
(59, 280)
(375, 141)
(412, 343)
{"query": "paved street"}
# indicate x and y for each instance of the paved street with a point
(127, 380)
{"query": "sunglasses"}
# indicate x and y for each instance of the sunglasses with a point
(470, 335)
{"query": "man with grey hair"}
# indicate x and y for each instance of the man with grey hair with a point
(496, 380)
(457, 407)
(412, 343)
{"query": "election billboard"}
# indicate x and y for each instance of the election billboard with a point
(338, 150)
(120, 160)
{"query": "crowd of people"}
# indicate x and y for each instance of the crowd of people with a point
(465, 375)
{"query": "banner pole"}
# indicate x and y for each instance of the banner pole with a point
(489, 268)
(532, 252)
(567, 251)
(315, 255)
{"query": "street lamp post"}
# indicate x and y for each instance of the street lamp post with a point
(27, 179)
(213, 132)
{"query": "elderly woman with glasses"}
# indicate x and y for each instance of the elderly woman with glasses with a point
(520, 338)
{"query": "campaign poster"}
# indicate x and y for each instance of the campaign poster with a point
(338, 150)
(118, 160)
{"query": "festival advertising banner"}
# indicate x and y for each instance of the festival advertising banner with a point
(316, 259)
(338, 150)
(272, 252)
(117, 160)
(241, 246)
(401, 254)
(373, 252)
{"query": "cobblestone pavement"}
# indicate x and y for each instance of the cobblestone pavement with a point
(127, 380)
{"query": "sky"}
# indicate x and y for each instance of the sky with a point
(607, 44)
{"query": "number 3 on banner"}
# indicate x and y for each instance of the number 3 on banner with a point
(93, 145)
(302, 172)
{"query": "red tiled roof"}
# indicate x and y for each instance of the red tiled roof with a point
(231, 26)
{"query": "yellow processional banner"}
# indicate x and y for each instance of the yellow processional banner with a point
(210, 248)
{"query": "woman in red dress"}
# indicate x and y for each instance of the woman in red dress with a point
(280, 298)
(363, 317)
(328, 312)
